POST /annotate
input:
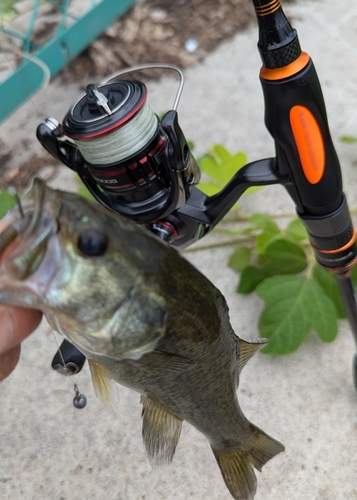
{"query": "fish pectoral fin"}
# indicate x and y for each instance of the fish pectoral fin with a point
(161, 363)
(248, 349)
(161, 432)
(104, 387)
(237, 464)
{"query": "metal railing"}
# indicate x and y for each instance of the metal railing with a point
(68, 27)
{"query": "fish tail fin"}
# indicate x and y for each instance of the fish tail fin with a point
(237, 464)
(262, 448)
(237, 472)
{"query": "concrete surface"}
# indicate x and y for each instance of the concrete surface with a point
(48, 449)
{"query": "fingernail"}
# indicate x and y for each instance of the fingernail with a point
(6, 329)
(8, 362)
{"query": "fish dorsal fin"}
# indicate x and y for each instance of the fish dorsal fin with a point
(161, 432)
(104, 387)
(248, 349)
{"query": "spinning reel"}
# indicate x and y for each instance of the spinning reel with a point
(131, 161)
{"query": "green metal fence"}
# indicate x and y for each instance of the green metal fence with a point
(73, 28)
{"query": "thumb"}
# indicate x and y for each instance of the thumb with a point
(15, 325)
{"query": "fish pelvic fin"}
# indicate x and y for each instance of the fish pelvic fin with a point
(104, 387)
(161, 432)
(237, 464)
(248, 349)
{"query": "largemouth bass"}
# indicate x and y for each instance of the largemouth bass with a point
(144, 317)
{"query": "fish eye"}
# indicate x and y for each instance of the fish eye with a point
(92, 242)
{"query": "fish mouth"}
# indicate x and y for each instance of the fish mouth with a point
(37, 222)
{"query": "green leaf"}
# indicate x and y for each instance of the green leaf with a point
(221, 165)
(253, 189)
(269, 230)
(243, 230)
(7, 9)
(348, 138)
(281, 256)
(284, 257)
(296, 230)
(230, 163)
(294, 306)
(221, 153)
(209, 188)
(191, 145)
(250, 278)
(239, 258)
(7, 201)
(328, 282)
(263, 221)
(212, 168)
(82, 190)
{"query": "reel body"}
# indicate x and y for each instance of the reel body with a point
(131, 161)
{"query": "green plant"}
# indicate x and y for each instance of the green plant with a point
(7, 201)
(219, 165)
(7, 10)
(349, 139)
(82, 189)
(299, 295)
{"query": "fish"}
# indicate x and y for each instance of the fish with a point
(144, 317)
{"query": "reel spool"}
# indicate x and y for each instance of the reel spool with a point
(130, 161)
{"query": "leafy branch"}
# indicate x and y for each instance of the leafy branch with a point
(299, 295)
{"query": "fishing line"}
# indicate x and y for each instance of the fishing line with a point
(59, 348)
(123, 142)
(79, 400)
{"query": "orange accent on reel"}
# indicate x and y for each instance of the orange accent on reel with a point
(309, 142)
(267, 9)
(286, 71)
(341, 249)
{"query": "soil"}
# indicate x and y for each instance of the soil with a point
(162, 31)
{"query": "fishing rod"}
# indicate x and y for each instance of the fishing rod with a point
(140, 166)
(296, 118)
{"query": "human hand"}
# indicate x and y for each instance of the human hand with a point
(16, 323)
